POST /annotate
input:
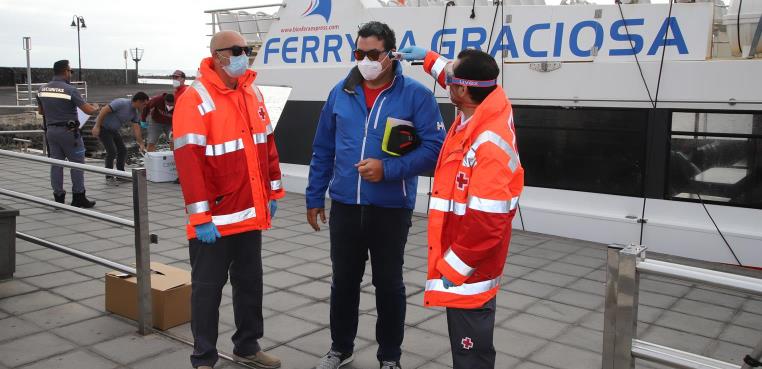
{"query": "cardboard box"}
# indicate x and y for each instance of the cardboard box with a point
(170, 293)
(160, 166)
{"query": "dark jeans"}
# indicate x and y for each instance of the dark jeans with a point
(114, 145)
(355, 231)
(241, 255)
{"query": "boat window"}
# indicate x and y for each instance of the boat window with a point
(592, 150)
(717, 156)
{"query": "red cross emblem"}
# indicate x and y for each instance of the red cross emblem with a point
(262, 113)
(467, 343)
(461, 180)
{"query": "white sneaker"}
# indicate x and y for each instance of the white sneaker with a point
(334, 360)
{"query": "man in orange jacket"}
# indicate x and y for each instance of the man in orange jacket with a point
(230, 176)
(477, 183)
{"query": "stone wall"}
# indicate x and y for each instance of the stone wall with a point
(94, 77)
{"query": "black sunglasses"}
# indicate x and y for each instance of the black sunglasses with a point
(237, 50)
(373, 55)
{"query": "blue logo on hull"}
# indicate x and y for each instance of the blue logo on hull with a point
(319, 7)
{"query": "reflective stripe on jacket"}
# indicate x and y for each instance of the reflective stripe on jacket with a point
(225, 154)
(477, 183)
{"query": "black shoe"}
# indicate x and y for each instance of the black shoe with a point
(81, 201)
(60, 198)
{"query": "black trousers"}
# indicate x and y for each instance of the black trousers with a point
(115, 149)
(356, 231)
(240, 255)
(471, 332)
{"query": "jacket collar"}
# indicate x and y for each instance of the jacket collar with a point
(60, 79)
(213, 80)
(354, 78)
(495, 103)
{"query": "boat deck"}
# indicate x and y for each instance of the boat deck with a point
(550, 311)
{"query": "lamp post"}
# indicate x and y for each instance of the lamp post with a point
(137, 55)
(79, 23)
(28, 48)
(126, 78)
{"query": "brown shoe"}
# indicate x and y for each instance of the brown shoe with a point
(260, 360)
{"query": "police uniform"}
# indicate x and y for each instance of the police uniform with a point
(59, 101)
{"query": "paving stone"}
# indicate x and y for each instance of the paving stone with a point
(530, 365)
(556, 311)
(283, 328)
(589, 286)
(740, 335)
(283, 279)
(579, 299)
(567, 357)
(752, 306)
(656, 299)
(293, 358)
(33, 269)
(95, 330)
(179, 359)
(730, 352)
(716, 298)
(437, 324)
(318, 313)
(583, 338)
(515, 343)
(60, 315)
(366, 358)
(663, 286)
(749, 320)
(515, 301)
(284, 301)
(676, 339)
(282, 261)
(56, 279)
(31, 302)
(73, 360)
(15, 287)
(534, 325)
(13, 327)
(28, 349)
(568, 269)
(530, 288)
(703, 309)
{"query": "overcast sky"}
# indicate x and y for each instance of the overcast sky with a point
(173, 33)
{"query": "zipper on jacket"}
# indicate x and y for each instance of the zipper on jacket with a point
(378, 112)
(365, 136)
(404, 188)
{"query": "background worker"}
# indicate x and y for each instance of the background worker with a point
(158, 115)
(58, 103)
(473, 203)
(109, 123)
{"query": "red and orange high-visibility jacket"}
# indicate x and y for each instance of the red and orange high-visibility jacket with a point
(225, 154)
(477, 183)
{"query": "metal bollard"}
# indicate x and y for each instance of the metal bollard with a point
(628, 286)
(609, 313)
(142, 250)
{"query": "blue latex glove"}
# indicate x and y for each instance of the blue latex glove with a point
(273, 208)
(143, 124)
(411, 53)
(446, 282)
(207, 232)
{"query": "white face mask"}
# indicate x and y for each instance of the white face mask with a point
(370, 70)
(176, 83)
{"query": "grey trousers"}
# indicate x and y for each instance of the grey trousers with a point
(63, 145)
(471, 332)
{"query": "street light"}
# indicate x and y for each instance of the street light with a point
(137, 55)
(79, 23)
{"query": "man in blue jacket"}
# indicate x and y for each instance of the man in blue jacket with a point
(372, 191)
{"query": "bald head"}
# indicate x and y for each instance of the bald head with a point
(225, 39)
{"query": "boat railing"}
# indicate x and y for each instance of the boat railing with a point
(624, 266)
(252, 21)
(139, 223)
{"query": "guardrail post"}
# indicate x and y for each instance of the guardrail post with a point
(142, 251)
(610, 312)
(628, 285)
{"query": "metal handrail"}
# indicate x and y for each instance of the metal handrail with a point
(77, 253)
(620, 317)
(21, 132)
(73, 209)
(67, 164)
(140, 224)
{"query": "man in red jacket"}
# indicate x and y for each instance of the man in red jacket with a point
(230, 176)
(477, 183)
(158, 114)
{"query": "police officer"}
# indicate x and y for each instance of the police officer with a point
(58, 103)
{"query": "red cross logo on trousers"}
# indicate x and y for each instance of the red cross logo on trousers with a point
(467, 343)
(461, 180)
(262, 113)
